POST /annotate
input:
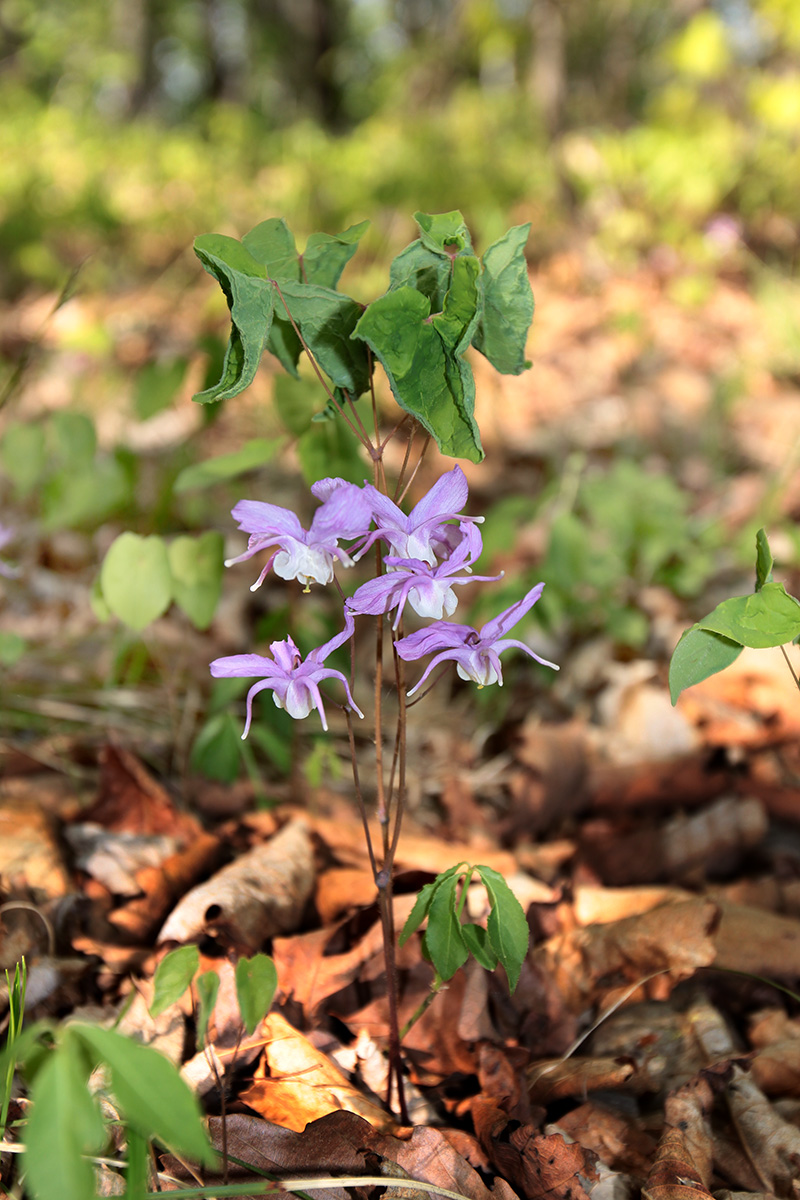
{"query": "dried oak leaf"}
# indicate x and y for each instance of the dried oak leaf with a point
(130, 800)
(343, 1144)
(589, 963)
(298, 1084)
(260, 894)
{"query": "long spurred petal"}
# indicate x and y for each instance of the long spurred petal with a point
(507, 620)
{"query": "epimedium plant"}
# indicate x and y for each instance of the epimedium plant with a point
(767, 617)
(441, 299)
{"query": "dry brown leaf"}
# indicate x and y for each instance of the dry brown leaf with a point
(130, 800)
(31, 861)
(614, 1137)
(591, 962)
(259, 895)
(162, 886)
(725, 828)
(302, 1084)
(758, 942)
(554, 1079)
(772, 1144)
(341, 1144)
(673, 1175)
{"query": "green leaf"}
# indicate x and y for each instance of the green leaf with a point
(271, 243)
(207, 986)
(253, 454)
(770, 617)
(256, 981)
(443, 937)
(173, 975)
(443, 233)
(12, 647)
(326, 255)
(64, 1125)
(507, 303)
(421, 269)
(423, 902)
(197, 565)
(699, 654)
(477, 939)
(296, 402)
(24, 455)
(150, 1092)
(217, 749)
(250, 299)
(507, 927)
(136, 579)
(764, 560)
(326, 320)
(330, 448)
(422, 357)
(138, 1163)
(156, 385)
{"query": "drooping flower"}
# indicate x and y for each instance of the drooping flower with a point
(426, 530)
(476, 655)
(307, 555)
(294, 680)
(7, 535)
(428, 589)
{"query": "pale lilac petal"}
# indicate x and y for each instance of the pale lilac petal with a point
(433, 598)
(254, 690)
(508, 619)
(457, 655)
(286, 654)
(257, 517)
(446, 498)
(425, 641)
(242, 665)
(377, 595)
(506, 642)
(316, 677)
(318, 656)
(346, 513)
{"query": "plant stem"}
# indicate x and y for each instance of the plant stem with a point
(791, 668)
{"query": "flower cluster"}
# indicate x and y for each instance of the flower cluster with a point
(430, 552)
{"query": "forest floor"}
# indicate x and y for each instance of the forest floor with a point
(652, 1045)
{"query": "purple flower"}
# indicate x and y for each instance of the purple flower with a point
(477, 655)
(7, 535)
(429, 590)
(307, 555)
(424, 532)
(294, 682)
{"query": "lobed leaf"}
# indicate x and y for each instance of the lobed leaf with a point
(326, 320)
(507, 303)
(326, 255)
(256, 982)
(769, 617)
(507, 926)
(250, 299)
(699, 654)
(173, 975)
(153, 1097)
(136, 580)
(443, 233)
(422, 357)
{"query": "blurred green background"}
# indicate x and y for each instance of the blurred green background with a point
(131, 125)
